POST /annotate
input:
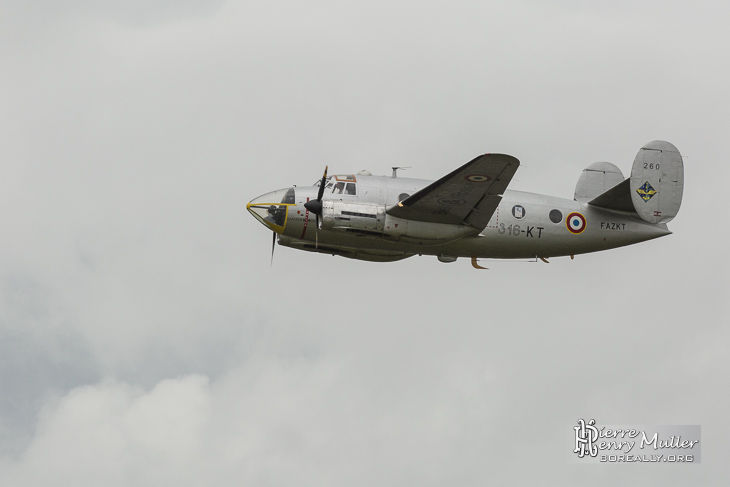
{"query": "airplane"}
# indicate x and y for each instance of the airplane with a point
(470, 212)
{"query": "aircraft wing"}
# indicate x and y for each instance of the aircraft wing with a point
(468, 195)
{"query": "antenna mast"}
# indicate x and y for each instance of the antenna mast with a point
(395, 170)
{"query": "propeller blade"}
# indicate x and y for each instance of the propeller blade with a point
(321, 186)
(273, 246)
(316, 232)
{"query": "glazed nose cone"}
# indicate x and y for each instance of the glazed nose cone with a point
(271, 209)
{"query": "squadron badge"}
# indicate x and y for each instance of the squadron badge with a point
(646, 191)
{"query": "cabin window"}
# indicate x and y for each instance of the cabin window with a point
(556, 216)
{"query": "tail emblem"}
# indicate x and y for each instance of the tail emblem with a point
(646, 191)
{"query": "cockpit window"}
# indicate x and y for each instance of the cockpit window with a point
(289, 197)
(318, 182)
(344, 188)
(339, 185)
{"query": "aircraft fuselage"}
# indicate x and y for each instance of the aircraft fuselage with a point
(524, 225)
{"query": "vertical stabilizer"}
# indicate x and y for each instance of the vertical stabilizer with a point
(657, 182)
(596, 179)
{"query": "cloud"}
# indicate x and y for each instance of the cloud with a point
(104, 434)
(144, 337)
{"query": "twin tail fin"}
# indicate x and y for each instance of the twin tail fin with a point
(653, 191)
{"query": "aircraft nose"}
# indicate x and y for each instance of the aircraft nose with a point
(272, 209)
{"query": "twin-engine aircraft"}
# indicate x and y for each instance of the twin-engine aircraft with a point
(471, 213)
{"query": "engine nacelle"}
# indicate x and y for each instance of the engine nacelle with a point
(344, 216)
(341, 215)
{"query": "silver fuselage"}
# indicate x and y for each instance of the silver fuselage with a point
(521, 227)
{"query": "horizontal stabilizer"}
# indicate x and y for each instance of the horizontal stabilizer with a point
(616, 198)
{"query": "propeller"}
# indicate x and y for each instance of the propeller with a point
(315, 206)
(273, 246)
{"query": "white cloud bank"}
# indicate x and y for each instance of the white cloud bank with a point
(139, 313)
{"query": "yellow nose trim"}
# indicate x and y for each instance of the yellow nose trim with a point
(277, 228)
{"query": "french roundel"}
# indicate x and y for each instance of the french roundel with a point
(478, 178)
(576, 223)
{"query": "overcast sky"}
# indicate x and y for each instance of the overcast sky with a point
(145, 339)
